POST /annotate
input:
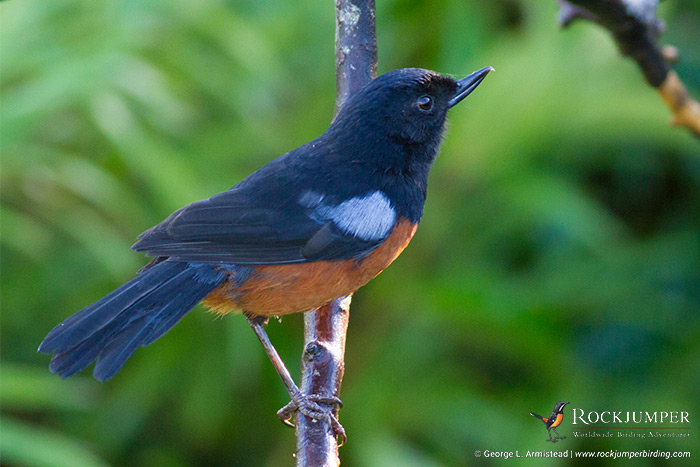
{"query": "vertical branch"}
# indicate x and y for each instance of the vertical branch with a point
(322, 369)
(325, 328)
(355, 47)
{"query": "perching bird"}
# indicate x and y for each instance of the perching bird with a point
(311, 226)
(553, 421)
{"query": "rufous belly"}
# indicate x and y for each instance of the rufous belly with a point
(290, 288)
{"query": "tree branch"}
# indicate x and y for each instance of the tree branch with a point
(355, 47)
(636, 29)
(325, 328)
(322, 369)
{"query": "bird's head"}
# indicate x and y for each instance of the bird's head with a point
(392, 129)
(560, 406)
(409, 106)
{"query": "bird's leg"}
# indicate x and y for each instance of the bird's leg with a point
(313, 406)
(558, 435)
(550, 437)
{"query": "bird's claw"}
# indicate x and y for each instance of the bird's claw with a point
(316, 407)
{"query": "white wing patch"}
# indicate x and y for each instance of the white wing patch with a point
(368, 217)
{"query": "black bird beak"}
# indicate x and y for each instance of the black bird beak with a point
(465, 86)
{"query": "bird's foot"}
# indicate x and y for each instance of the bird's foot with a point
(561, 437)
(551, 440)
(316, 407)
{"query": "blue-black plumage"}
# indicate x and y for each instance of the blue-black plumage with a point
(134, 315)
(311, 226)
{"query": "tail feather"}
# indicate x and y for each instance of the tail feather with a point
(134, 315)
(94, 317)
(120, 347)
(170, 315)
(147, 329)
(544, 419)
(70, 362)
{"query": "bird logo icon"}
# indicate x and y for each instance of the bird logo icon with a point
(553, 421)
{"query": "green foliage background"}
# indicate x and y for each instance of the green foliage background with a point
(558, 259)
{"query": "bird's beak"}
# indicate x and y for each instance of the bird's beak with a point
(465, 86)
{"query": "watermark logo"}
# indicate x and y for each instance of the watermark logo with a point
(641, 424)
(553, 421)
(607, 425)
(594, 417)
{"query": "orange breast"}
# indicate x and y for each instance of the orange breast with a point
(291, 288)
(558, 420)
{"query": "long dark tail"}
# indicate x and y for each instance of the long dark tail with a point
(136, 314)
(544, 419)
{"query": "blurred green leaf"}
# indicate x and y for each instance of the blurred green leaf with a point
(23, 444)
(24, 389)
(558, 256)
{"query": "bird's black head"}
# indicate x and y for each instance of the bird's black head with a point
(559, 408)
(411, 104)
(393, 128)
(407, 107)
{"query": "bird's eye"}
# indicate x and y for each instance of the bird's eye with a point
(425, 103)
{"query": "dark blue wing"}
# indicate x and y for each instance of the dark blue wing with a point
(263, 220)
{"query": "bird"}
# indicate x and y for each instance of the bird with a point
(553, 421)
(311, 226)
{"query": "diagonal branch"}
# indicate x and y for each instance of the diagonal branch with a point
(325, 328)
(636, 29)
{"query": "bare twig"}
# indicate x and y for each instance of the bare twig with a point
(325, 328)
(686, 110)
(636, 29)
